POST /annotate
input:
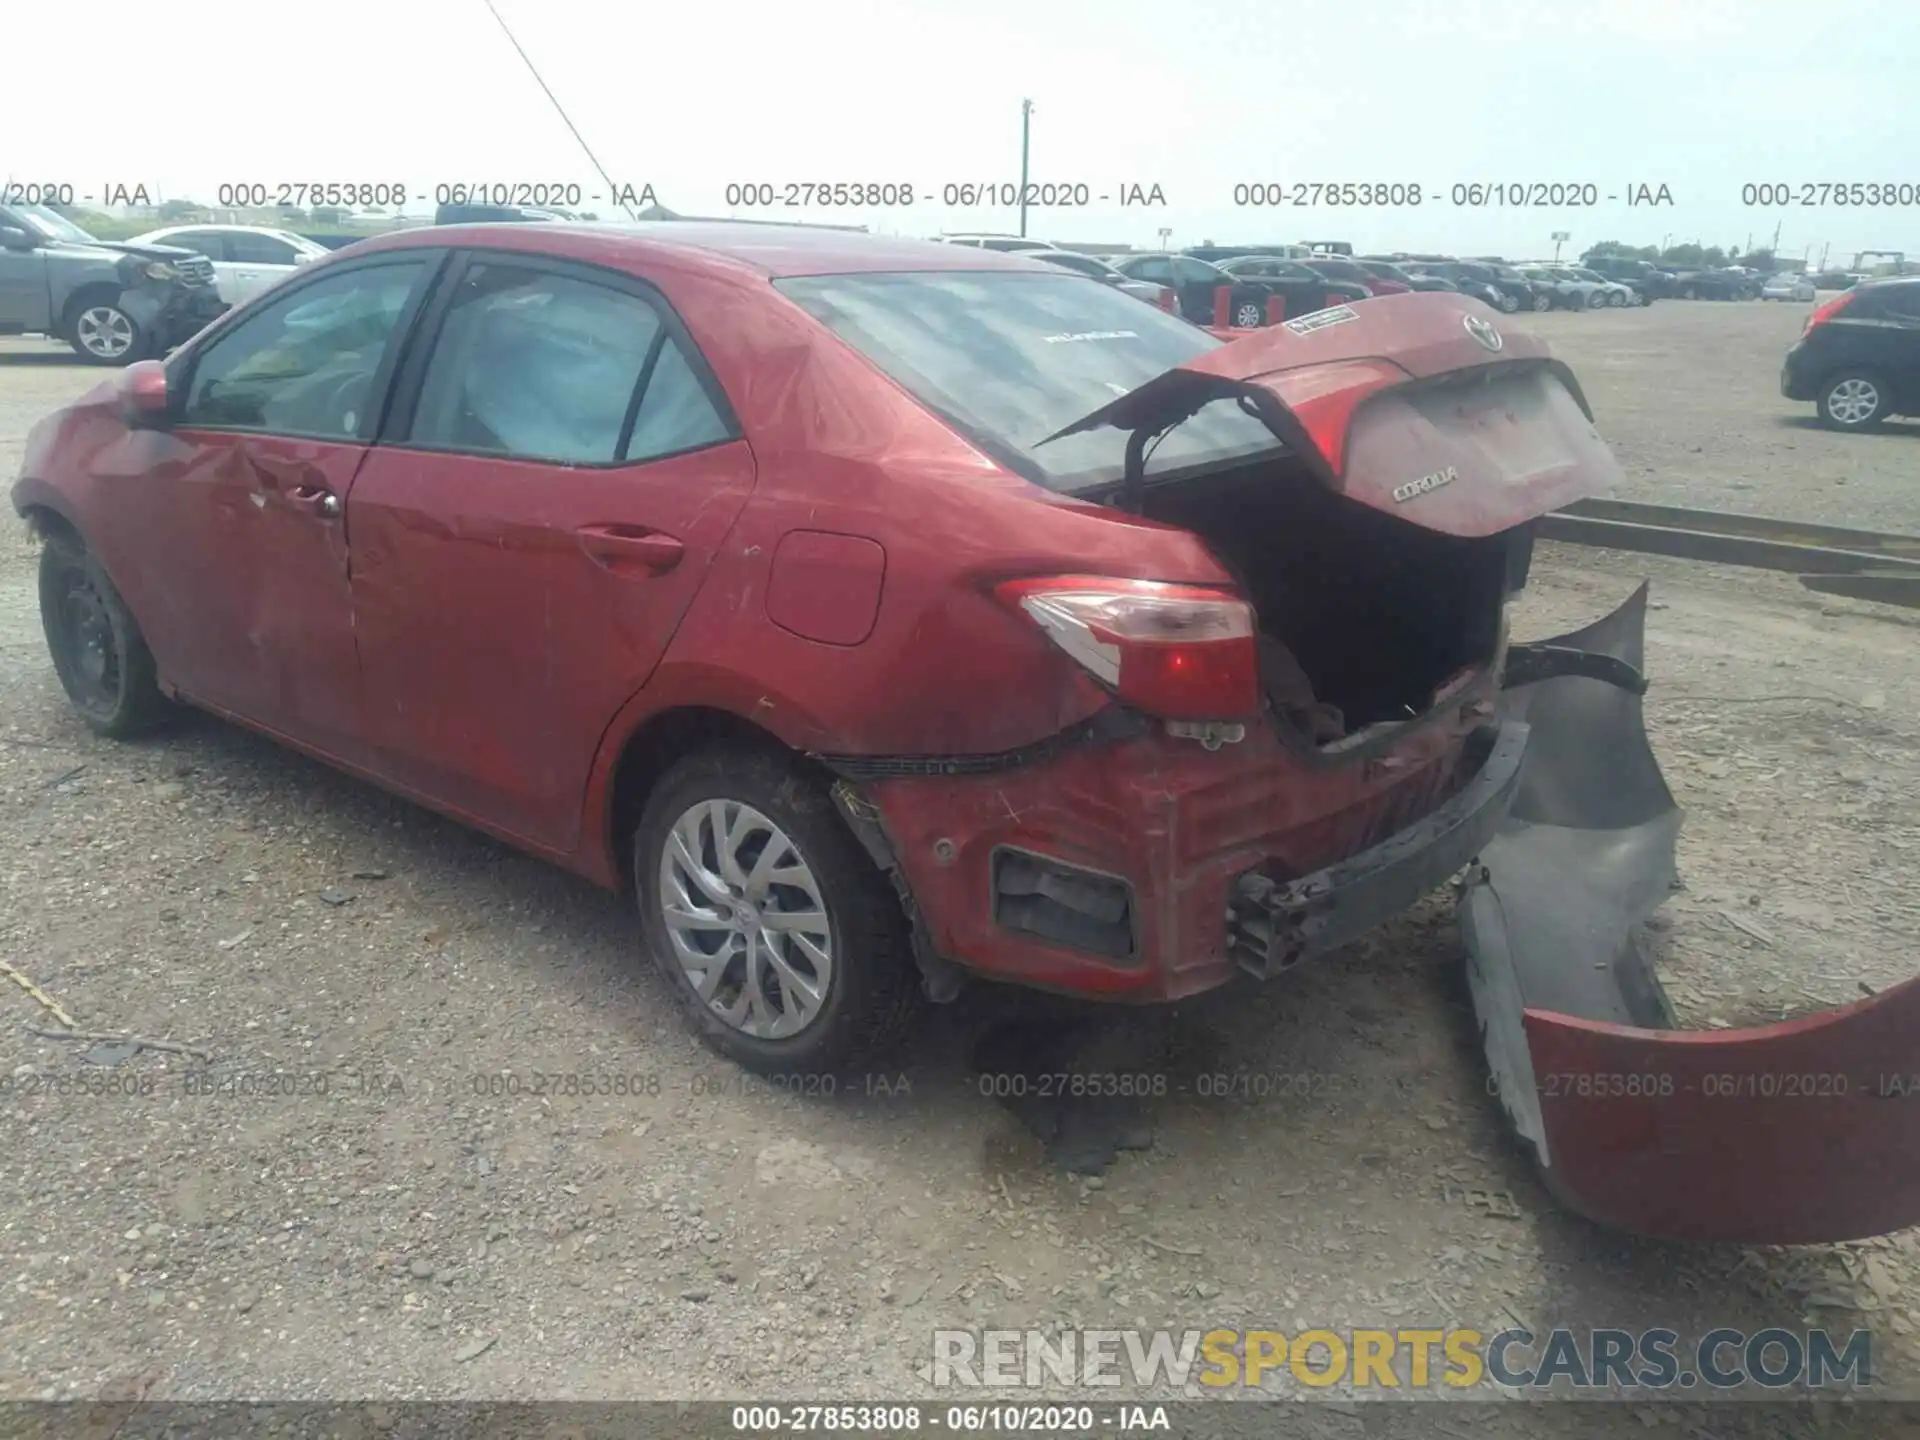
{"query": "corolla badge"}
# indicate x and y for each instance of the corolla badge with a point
(1428, 483)
(1484, 332)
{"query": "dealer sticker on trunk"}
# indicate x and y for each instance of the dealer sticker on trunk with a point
(1424, 484)
(1320, 319)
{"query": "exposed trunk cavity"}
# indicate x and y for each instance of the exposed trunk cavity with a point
(1364, 616)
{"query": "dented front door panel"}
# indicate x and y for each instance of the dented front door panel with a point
(1798, 1132)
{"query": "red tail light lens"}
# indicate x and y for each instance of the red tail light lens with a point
(1182, 652)
(1827, 311)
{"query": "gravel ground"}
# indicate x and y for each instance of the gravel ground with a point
(411, 1232)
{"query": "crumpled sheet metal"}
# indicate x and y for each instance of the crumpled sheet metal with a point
(1799, 1132)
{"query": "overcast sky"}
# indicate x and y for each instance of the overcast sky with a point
(1194, 96)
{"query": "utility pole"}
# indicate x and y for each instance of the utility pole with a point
(1166, 234)
(1026, 126)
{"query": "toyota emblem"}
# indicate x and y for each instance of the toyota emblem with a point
(1484, 332)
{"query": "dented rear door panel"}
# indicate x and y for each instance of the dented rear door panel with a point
(502, 625)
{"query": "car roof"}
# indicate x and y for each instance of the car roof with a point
(772, 251)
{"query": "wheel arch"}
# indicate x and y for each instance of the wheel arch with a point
(94, 291)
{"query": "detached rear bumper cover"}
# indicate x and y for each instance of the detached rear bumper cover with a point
(1273, 925)
(1795, 1133)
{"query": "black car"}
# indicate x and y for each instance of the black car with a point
(1194, 283)
(1647, 279)
(1304, 290)
(1705, 283)
(1512, 289)
(1217, 254)
(1424, 275)
(1858, 359)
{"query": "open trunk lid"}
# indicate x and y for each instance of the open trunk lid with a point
(1420, 406)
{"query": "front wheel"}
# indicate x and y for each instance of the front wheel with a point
(1852, 400)
(1247, 315)
(1542, 303)
(786, 946)
(1597, 300)
(98, 652)
(1617, 300)
(102, 333)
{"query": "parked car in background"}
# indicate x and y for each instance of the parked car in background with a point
(1619, 293)
(1836, 280)
(1648, 279)
(1303, 289)
(1788, 286)
(1214, 254)
(1483, 291)
(1096, 268)
(246, 259)
(1858, 357)
(1387, 270)
(1339, 267)
(114, 302)
(1007, 244)
(1706, 283)
(1512, 291)
(1567, 292)
(1195, 283)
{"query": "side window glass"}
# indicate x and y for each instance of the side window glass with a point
(1192, 272)
(1157, 272)
(675, 413)
(209, 243)
(535, 366)
(258, 250)
(305, 364)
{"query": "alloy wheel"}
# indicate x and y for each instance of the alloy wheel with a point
(104, 332)
(1509, 304)
(1247, 316)
(746, 919)
(1853, 401)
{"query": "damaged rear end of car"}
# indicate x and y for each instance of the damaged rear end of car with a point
(1296, 755)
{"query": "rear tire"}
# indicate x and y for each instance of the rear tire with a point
(1597, 300)
(786, 946)
(1852, 400)
(1542, 303)
(1509, 304)
(97, 649)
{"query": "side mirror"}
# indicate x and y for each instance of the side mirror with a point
(14, 238)
(144, 401)
(301, 257)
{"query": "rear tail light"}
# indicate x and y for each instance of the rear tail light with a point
(1181, 652)
(1827, 311)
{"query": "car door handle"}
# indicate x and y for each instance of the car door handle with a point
(622, 547)
(315, 500)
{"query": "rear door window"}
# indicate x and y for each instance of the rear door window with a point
(535, 365)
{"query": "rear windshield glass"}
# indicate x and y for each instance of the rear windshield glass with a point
(1008, 359)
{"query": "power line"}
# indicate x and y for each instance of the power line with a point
(612, 189)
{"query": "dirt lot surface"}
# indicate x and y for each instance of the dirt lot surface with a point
(411, 1232)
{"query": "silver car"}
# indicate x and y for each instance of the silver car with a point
(1100, 270)
(1788, 287)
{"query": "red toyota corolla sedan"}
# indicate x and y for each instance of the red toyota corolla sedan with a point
(881, 612)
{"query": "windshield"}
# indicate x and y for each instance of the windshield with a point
(1008, 359)
(52, 225)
